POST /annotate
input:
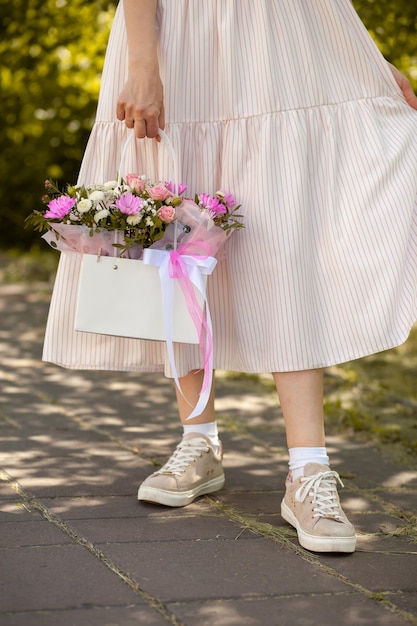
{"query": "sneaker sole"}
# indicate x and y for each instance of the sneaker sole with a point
(180, 498)
(316, 543)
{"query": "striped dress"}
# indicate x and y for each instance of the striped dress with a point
(289, 105)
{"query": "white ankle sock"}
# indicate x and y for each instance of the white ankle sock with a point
(299, 457)
(209, 429)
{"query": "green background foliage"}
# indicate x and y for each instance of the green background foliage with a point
(51, 55)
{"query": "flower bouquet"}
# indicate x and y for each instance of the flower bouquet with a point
(122, 218)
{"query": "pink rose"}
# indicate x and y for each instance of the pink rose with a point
(159, 192)
(135, 182)
(166, 214)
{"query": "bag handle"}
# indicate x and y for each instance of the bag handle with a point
(165, 140)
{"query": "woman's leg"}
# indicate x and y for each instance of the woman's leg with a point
(301, 399)
(195, 468)
(311, 503)
(191, 386)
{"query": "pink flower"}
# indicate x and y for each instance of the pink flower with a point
(227, 198)
(166, 214)
(135, 182)
(60, 207)
(212, 204)
(159, 192)
(173, 188)
(129, 204)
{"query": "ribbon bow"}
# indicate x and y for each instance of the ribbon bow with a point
(188, 266)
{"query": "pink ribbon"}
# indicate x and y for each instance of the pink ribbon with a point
(179, 270)
(186, 265)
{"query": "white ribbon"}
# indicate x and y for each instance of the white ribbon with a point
(196, 266)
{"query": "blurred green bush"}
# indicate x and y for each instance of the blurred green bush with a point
(51, 55)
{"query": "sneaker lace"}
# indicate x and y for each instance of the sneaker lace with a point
(322, 487)
(185, 453)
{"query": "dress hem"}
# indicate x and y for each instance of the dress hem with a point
(224, 367)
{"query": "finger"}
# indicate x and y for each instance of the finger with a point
(152, 127)
(162, 118)
(410, 96)
(120, 111)
(140, 128)
(161, 123)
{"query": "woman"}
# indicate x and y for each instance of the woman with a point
(289, 106)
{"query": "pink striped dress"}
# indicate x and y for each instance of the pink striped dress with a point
(290, 106)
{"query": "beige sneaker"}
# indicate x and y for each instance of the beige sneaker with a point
(311, 504)
(193, 470)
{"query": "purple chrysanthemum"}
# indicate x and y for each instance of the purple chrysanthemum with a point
(212, 204)
(227, 198)
(60, 207)
(178, 189)
(129, 204)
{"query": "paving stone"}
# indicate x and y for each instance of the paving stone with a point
(114, 507)
(189, 570)
(15, 510)
(164, 529)
(94, 616)
(6, 492)
(406, 600)
(43, 444)
(367, 466)
(374, 522)
(405, 499)
(44, 577)
(31, 415)
(387, 544)
(252, 502)
(31, 533)
(86, 471)
(378, 571)
(298, 610)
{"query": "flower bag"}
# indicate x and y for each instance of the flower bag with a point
(133, 298)
(161, 297)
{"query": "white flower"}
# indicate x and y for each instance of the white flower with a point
(132, 220)
(96, 196)
(101, 215)
(111, 184)
(74, 217)
(149, 222)
(120, 189)
(148, 204)
(84, 205)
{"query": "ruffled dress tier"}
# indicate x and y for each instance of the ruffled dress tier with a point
(290, 106)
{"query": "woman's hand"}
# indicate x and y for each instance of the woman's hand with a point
(405, 86)
(141, 101)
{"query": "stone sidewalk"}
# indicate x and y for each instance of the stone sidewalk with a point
(77, 549)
